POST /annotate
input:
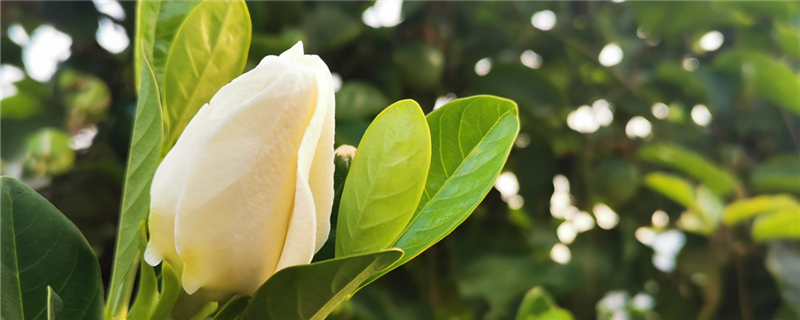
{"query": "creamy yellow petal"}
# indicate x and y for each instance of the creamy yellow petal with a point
(233, 211)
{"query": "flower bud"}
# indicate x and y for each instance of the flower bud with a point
(247, 190)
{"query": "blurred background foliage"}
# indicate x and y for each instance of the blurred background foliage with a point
(655, 176)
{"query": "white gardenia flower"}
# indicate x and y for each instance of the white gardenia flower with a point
(247, 190)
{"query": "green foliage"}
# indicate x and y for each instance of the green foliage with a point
(538, 305)
(783, 224)
(677, 157)
(147, 294)
(673, 187)
(142, 163)
(777, 174)
(208, 51)
(311, 292)
(743, 209)
(385, 181)
(471, 141)
(42, 249)
(616, 180)
(54, 304)
(359, 100)
(48, 153)
(233, 308)
(767, 77)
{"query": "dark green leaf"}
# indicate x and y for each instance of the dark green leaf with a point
(233, 309)
(471, 139)
(385, 181)
(767, 77)
(313, 291)
(143, 160)
(208, 51)
(41, 248)
(205, 311)
(675, 156)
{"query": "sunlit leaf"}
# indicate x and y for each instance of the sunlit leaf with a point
(385, 180)
(743, 209)
(673, 187)
(41, 248)
(170, 289)
(147, 294)
(157, 22)
(472, 138)
(208, 51)
(784, 224)
(143, 160)
(313, 291)
(675, 156)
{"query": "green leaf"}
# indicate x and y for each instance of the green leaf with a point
(157, 22)
(329, 28)
(209, 50)
(143, 160)
(784, 224)
(471, 138)
(312, 291)
(538, 305)
(54, 304)
(778, 174)
(677, 157)
(359, 100)
(743, 209)
(41, 248)
(767, 77)
(233, 309)
(788, 37)
(171, 288)
(147, 295)
(673, 187)
(385, 181)
(205, 311)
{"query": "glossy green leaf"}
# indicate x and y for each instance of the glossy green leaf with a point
(677, 157)
(778, 174)
(41, 248)
(208, 51)
(147, 294)
(54, 304)
(357, 100)
(673, 187)
(313, 291)
(471, 139)
(157, 22)
(233, 309)
(784, 224)
(143, 160)
(385, 181)
(743, 209)
(538, 305)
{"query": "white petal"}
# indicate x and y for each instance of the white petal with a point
(314, 194)
(235, 207)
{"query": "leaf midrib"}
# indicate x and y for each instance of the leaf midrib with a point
(447, 182)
